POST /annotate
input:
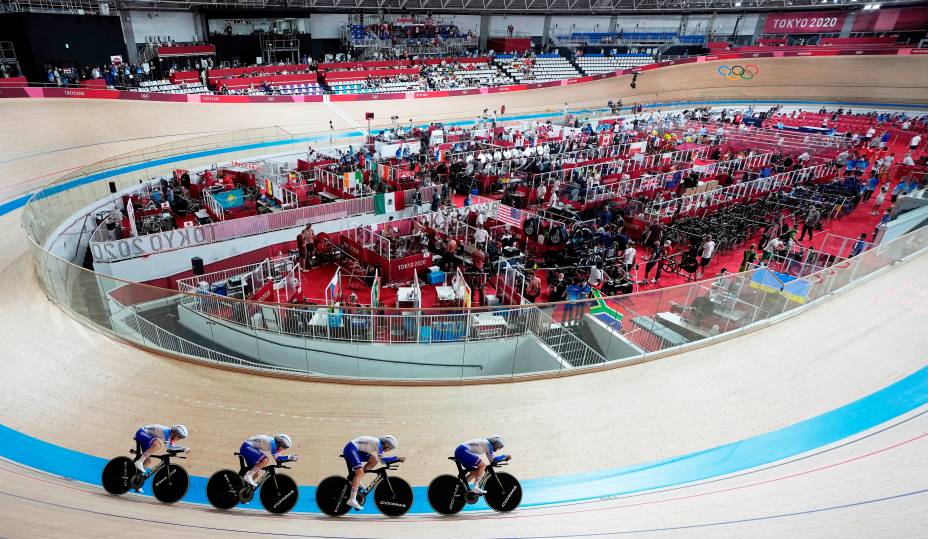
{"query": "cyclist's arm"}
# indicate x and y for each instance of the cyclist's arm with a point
(388, 460)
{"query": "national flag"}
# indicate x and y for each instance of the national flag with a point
(350, 180)
(467, 296)
(439, 155)
(375, 290)
(606, 311)
(509, 215)
(269, 187)
(333, 290)
(383, 171)
(793, 288)
(388, 202)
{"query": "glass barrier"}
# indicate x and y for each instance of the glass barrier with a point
(503, 342)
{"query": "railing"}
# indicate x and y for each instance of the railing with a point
(650, 182)
(573, 350)
(741, 191)
(142, 314)
(633, 163)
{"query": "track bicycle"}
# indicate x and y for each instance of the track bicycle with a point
(278, 492)
(449, 494)
(392, 495)
(170, 481)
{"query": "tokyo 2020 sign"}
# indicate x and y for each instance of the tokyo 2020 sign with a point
(810, 22)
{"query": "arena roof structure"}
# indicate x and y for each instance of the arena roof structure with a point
(451, 6)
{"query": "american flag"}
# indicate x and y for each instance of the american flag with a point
(509, 215)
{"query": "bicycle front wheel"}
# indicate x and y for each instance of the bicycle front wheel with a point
(504, 493)
(393, 497)
(279, 494)
(170, 483)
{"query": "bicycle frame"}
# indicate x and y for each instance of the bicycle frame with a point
(269, 471)
(381, 476)
(163, 460)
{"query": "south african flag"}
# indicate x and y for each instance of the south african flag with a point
(606, 311)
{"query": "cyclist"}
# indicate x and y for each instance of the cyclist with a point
(154, 437)
(260, 450)
(468, 454)
(362, 454)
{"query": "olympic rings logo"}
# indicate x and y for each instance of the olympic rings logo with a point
(738, 72)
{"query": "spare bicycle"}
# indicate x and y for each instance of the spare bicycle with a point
(278, 492)
(392, 495)
(170, 481)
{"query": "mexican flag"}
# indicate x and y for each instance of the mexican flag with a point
(388, 202)
(352, 179)
(375, 290)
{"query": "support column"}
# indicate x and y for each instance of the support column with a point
(484, 31)
(128, 35)
(546, 32)
(848, 24)
(759, 27)
(613, 23)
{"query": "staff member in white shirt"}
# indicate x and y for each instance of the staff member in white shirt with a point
(480, 237)
(913, 144)
(705, 255)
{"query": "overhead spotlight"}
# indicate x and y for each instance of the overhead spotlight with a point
(737, 4)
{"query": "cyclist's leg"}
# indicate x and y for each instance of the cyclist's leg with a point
(256, 460)
(473, 463)
(357, 461)
(149, 444)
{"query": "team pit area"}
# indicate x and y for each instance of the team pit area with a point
(502, 248)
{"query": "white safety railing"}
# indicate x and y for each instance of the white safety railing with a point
(740, 191)
(216, 209)
(650, 182)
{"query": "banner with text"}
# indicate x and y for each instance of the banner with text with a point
(810, 22)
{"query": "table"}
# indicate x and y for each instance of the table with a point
(406, 294)
(677, 323)
(488, 325)
(446, 293)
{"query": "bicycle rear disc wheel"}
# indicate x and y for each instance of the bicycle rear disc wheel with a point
(447, 494)
(393, 497)
(170, 487)
(332, 496)
(279, 494)
(117, 474)
(504, 493)
(222, 489)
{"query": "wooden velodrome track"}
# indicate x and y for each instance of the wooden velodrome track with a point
(68, 385)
